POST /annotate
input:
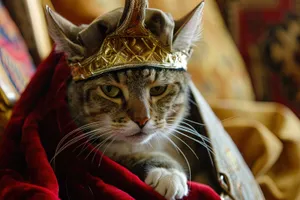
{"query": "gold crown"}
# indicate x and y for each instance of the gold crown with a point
(131, 45)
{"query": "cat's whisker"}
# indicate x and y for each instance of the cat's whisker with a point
(209, 149)
(229, 118)
(185, 158)
(194, 122)
(186, 145)
(105, 150)
(71, 142)
(193, 102)
(195, 133)
(222, 120)
(98, 146)
(158, 139)
(204, 139)
(95, 134)
(82, 128)
(64, 138)
(75, 139)
(83, 132)
(202, 124)
(149, 144)
(91, 140)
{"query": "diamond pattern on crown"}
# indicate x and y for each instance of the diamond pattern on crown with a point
(118, 52)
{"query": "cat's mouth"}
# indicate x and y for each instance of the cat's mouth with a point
(137, 135)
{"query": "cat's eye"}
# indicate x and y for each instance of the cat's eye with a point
(111, 91)
(158, 90)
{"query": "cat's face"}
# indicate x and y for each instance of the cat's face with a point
(132, 106)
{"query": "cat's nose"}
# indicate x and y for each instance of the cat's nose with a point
(141, 122)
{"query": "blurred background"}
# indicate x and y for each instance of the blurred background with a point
(249, 54)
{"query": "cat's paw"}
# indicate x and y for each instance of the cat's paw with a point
(170, 183)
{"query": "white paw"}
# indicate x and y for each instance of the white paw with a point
(170, 183)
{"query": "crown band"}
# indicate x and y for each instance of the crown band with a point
(120, 52)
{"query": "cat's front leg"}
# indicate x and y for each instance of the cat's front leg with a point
(159, 171)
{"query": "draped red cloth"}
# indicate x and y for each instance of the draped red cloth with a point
(40, 119)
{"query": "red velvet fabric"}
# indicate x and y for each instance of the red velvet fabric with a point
(40, 119)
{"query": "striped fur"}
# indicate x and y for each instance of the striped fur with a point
(145, 156)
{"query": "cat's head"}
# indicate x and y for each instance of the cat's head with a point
(129, 105)
(133, 105)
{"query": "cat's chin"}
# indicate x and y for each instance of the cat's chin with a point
(138, 138)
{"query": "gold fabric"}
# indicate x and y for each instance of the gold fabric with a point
(268, 136)
(5, 113)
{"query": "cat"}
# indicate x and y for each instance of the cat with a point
(137, 117)
(140, 108)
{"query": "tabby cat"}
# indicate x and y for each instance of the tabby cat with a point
(138, 116)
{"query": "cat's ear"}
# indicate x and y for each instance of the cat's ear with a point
(161, 25)
(65, 35)
(188, 29)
